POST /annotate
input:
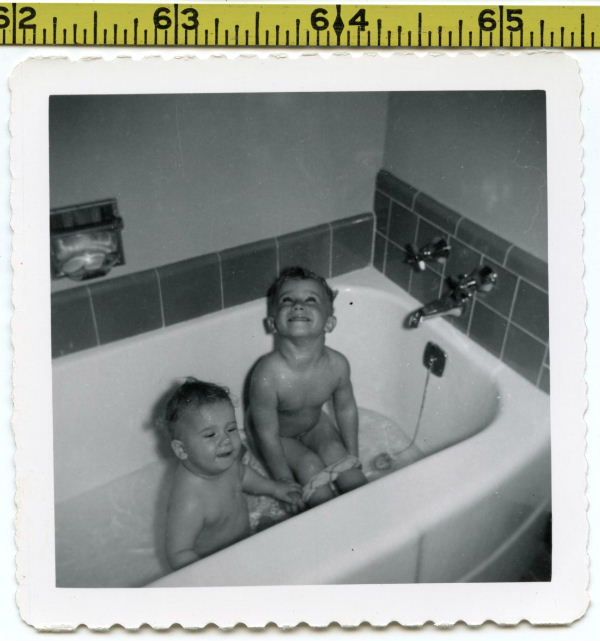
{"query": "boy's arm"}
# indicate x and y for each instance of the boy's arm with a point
(346, 412)
(286, 491)
(184, 523)
(263, 410)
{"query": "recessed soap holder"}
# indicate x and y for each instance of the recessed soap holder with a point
(85, 240)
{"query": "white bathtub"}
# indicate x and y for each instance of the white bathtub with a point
(473, 509)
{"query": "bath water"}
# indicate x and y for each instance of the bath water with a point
(113, 536)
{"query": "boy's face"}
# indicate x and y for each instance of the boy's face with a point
(209, 440)
(302, 309)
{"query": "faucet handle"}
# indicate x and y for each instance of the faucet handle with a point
(437, 250)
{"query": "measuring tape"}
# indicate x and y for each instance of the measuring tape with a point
(271, 25)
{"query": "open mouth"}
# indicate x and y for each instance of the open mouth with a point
(299, 319)
(225, 454)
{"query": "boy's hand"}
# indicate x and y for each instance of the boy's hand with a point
(289, 493)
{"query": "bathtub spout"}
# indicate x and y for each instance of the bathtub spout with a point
(445, 306)
(462, 290)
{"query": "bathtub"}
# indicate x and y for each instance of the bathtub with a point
(474, 507)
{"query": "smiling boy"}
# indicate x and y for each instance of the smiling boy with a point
(290, 386)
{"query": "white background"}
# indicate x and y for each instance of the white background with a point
(11, 627)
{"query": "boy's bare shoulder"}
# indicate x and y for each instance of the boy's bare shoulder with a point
(338, 360)
(266, 365)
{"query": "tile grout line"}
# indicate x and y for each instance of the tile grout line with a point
(539, 376)
(373, 239)
(277, 260)
(219, 260)
(94, 320)
(512, 322)
(510, 313)
(160, 298)
(510, 247)
(330, 250)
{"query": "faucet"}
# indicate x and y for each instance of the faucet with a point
(462, 290)
(435, 251)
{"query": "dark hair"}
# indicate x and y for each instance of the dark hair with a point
(192, 393)
(296, 273)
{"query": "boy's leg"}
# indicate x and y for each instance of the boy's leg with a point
(306, 464)
(325, 440)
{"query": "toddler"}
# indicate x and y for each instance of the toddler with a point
(207, 508)
(290, 386)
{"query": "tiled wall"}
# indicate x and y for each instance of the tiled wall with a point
(105, 311)
(511, 321)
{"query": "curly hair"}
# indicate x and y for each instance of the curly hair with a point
(192, 393)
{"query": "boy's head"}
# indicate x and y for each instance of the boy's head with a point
(201, 423)
(300, 301)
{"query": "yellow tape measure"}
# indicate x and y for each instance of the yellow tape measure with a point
(271, 25)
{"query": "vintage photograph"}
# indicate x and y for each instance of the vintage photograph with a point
(265, 303)
(300, 335)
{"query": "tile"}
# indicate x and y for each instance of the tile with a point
(490, 244)
(425, 286)
(487, 328)
(531, 310)
(248, 271)
(127, 306)
(72, 321)
(428, 233)
(352, 243)
(379, 255)
(544, 383)
(462, 259)
(307, 248)
(382, 211)
(436, 212)
(396, 188)
(396, 267)
(190, 288)
(523, 353)
(501, 297)
(528, 266)
(403, 225)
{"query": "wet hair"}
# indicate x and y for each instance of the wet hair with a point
(192, 394)
(296, 273)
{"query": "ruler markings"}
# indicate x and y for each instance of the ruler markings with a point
(247, 37)
(106, 36)
(500, 23)
(501, 32)
(176, 24)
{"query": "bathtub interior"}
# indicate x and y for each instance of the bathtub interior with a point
(111, 473)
